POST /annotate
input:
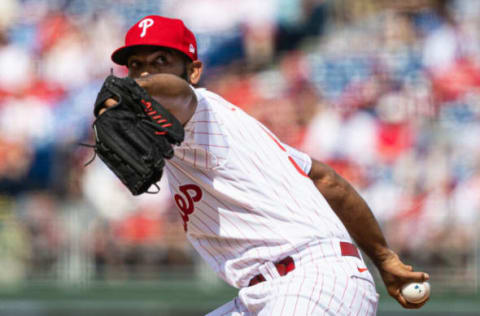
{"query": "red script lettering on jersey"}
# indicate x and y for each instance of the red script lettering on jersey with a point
(186, 207)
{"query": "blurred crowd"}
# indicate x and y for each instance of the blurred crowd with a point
(387, 94)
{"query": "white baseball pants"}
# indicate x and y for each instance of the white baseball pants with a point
(323, 283)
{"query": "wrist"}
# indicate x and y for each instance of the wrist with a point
(381, 255)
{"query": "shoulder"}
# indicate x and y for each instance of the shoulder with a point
(211, 110)
(211, 98)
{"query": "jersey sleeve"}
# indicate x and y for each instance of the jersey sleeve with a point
(302, 159)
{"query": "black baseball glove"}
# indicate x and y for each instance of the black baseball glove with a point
(135, 136)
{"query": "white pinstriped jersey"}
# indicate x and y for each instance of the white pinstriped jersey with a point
(243, 196)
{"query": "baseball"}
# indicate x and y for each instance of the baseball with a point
(416, 292)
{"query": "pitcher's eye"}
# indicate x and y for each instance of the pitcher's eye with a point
(133, 64)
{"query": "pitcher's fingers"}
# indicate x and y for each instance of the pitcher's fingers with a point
(400, 299)
(411, 276)
(418, 305)
(406, 267)
(409, 305)
(110, 102)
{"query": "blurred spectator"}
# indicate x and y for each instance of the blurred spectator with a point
(65, 55)
(17, 67)
(9, 12)
(308, 24)
(347, 135)
(449, 58)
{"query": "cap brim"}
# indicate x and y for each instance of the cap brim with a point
(120, 56)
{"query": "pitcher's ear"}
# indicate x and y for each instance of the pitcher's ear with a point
(195, 71)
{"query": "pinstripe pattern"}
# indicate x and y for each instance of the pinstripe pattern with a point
(256, 207)
(323, 288)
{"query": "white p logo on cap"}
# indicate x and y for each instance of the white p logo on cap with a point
(145, 24)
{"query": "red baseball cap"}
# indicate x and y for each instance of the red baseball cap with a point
(154, 30)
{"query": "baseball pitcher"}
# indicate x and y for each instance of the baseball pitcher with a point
(274, 223)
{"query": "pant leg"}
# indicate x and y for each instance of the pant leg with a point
(324, 282)
(308, 294)
(363, 300)
(233, 308)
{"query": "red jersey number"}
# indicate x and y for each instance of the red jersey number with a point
(185, 202)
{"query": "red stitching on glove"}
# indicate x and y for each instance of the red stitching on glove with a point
(148, 107)
(147, 104)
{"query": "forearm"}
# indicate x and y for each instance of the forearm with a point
(353, 211)
(357, 217)
(172, 92)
